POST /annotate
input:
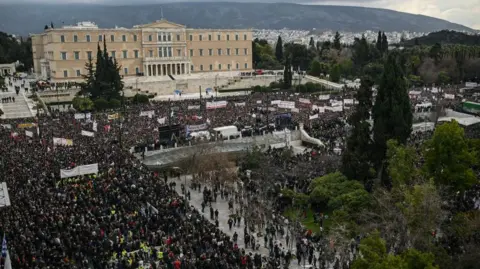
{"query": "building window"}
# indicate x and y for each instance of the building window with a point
(218, 37)
(124, 54)
(165, 54)
(237, 66)
(210, 52)
(191, 67)
(112, 38)
(209, 37)
(228, 66)
(246, 65)
(64, 55)
(191, 53)
(211, 67)
(75, 38)
(219, 66)
(191, 37)
(62, 39)
(169, 51)
(125, 70)
(137, 70)
(244, 37)
(159, 37)
(78, 73)
(135, 52)
(179, 52)
(89, 55)
(200, 51)
(87, 37)
(150, 38)
(219, 52)
(76, 55)
(245, 51)
(134, 38)
(165, 37)
(178, 37)
(124, 38)
(228, 37)
(236, 51)
(65, 73)
(100, 38)
(113, 54)
(200, 37)
(150, 53)
(201, 67)
(228, 51)
(236, 37)
(160, 52)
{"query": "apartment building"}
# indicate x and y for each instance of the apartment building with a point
(160, 48)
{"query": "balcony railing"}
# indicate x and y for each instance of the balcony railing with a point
(163, 59)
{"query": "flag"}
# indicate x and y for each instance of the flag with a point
(94, 127)
(28, 133)
(161, 120)
(4, 246)
(87, 133)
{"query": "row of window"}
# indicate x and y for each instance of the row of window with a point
(160, 37)
(100, 38)
(219, 37)
(113, 54)
(78, 72)
(162, 52)
(219, 52)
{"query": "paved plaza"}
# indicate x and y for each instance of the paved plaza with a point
(22, 107)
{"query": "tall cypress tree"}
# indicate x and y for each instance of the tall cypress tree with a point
(279, 49)
(95, 91)
(384, 42)
(89, 85)
(311, 44)
(378, 45)
(356, 160)
(392, 113)
(337, 41)
(287, 73)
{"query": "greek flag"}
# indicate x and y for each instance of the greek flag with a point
(4, 246)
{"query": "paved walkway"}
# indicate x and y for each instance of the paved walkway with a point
(222, 206)
(22, 107)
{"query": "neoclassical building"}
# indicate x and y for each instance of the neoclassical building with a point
(160, 48)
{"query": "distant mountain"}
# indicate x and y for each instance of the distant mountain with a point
(31, 18)
(446, 37)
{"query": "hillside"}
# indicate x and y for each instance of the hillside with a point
(445, 37)
(27, 18)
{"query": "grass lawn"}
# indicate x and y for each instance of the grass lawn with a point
(292, 214)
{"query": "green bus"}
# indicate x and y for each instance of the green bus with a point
(471, 107)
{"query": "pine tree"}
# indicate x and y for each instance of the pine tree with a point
(96, 91)
(392, 113)
(279, 49)
(287, 74)
(356, 160)
(337, 41)
(89, 84)
(51, 25)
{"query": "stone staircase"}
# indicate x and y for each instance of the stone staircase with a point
(21, 108)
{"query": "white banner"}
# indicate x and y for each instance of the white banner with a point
(334, 108)
(272, 109)
(162, 120)
(217, 104)
(286, 104)
(304, 101)
(94, 126)
(349, 101)
(240, 104)
(275, 102)
(62, 141)
(449, 96)
(259, 101)
(193, 107)
(194, 128)
(312, 117)
(296, 110)
(6, 126)
(29, 134)
(87, 133)
(79, 170)
(149, 113)
(82, 116)
(324, 97)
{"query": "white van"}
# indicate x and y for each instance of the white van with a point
(227, 132)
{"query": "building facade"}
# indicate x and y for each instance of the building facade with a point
(161, 48)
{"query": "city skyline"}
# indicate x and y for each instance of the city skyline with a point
(463, 12)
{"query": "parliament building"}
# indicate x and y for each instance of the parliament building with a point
(161, 48)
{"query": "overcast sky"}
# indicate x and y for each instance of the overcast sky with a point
(466, 12)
